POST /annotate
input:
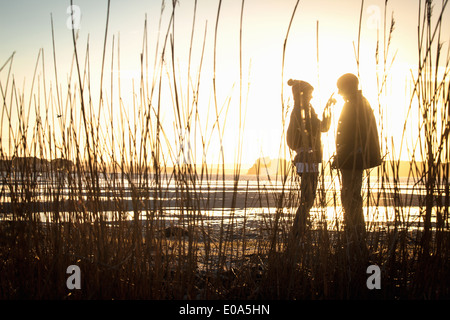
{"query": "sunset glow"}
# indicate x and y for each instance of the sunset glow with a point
(321, 45)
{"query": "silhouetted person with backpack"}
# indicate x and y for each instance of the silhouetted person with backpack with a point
(304, 137)
(357, 149)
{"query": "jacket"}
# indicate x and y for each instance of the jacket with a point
(357, 144)
(303, 134)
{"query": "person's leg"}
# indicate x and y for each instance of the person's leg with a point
(308, 187)
(353, 204)
(354, 229)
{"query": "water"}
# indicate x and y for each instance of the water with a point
(214, 201)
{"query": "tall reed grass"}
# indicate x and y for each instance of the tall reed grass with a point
(143, 222)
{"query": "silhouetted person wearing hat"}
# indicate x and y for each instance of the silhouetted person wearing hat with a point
(357, 148)
(303, 136)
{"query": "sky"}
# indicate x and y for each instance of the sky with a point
(319, 48)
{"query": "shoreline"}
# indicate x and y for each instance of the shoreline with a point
(213, 200)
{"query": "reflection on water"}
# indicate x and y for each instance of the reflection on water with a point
(211, 202)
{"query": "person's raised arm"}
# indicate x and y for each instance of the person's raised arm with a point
(326, 115)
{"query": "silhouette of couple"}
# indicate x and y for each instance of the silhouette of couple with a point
(357, 148)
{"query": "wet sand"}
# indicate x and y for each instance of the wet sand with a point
(201, 201)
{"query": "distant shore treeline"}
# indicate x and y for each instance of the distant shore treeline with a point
(24, 164)
(262, 166)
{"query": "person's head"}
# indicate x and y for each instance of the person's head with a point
(302, 91)
(347, 85)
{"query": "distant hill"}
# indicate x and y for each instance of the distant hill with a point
(267, 166)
